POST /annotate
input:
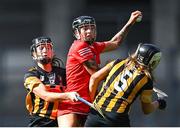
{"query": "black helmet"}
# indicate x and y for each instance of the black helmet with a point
(148, 55)
(37, 42)
(82, 20)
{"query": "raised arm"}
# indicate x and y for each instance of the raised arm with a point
(119, 37)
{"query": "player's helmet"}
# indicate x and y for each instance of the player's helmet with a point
(82, 21)
(36, 43)
(148, 55)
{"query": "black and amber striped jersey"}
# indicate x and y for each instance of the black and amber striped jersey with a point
(122, 86)
(54, 81)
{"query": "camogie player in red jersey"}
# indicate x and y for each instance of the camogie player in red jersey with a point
(82, 61)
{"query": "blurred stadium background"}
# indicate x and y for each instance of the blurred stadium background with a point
(23, 20)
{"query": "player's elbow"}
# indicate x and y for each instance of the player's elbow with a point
(147, 108)
(116, 41)
(93, 83)
(94, 77)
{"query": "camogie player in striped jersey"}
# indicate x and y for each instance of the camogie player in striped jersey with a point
(125, 80)
(82, 61)
(45, 83)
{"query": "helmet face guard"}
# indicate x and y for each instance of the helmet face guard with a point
(153, 63)
(148, 55)
(40, 48)
(81, 22)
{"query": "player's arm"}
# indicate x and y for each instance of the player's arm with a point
(148, 106)
(91, 66)
(119, 37)
(97, 77)
(37, 87)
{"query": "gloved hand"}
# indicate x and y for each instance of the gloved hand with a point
(162, 103)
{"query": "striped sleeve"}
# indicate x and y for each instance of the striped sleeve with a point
(83, 53)
(31, 82)
(146, 95)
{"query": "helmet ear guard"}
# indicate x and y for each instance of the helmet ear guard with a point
(33, 50)
(34, 58)
(76, 34)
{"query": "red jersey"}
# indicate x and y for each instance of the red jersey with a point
(77, 76)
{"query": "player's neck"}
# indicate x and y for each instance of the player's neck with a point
(46, 67)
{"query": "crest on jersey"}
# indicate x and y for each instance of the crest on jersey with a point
(52, 78)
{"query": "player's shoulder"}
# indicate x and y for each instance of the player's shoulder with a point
(97, 43)
(31, 72)
(100, 43)
(80, 44)
(59, 69)
(119, 61)
(31, 69)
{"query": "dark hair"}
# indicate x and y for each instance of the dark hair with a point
(57, 62)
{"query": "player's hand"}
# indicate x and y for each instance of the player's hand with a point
(134, 17)
(162, 103)
(72, 96)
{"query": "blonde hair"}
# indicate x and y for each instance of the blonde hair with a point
(141, 68)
